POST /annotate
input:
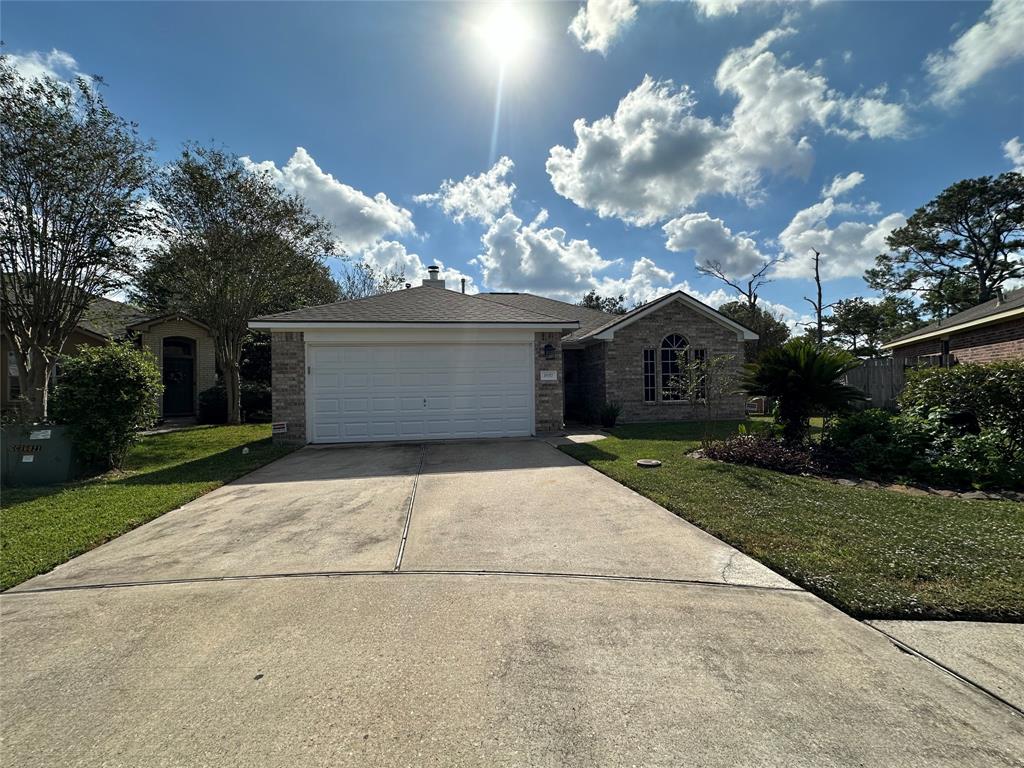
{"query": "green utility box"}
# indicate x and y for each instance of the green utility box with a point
(37, 455)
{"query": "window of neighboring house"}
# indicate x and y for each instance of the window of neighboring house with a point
(13, 382)
(675, 354)
(650, 376)
(700, 357)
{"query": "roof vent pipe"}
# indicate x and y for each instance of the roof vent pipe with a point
(463, 285)
(999, 296)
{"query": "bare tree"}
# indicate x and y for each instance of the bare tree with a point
(71, 177)
(360, 280)
(819, 308)
(746, 287)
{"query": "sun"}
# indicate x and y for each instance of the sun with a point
(504, 33)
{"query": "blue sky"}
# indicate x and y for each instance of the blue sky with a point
(644, 139)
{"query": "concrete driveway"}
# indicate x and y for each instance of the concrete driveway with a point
(491, 604)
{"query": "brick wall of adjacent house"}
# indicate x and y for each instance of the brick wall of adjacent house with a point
(205, 367)
(987, 344)
(288, 384)
(548, 395)
(623, 370)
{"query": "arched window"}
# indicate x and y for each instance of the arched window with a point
(675, 354)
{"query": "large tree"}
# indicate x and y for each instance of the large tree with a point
(970, 236)
(72, 174)
(770, 330)
(234, 246)
(615, 305)
(861, 327)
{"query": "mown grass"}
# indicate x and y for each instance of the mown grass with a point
(872, 553)
(40, 528)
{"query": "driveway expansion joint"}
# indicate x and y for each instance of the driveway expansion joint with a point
(912, 651)
(413, 572)
(408, 511)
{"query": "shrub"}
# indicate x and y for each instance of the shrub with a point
(609, 414)
(105, 395)
(873, 443)
(763, 451)
(255, 402)
(804, 378)
(993, 392)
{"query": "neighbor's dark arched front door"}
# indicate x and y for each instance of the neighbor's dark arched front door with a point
(179, 376)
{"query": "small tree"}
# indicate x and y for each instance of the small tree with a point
(804, 377)
(708, 383)
(72, 175)
(106, 394)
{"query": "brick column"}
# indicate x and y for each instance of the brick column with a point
(288, 384)
(548, 395)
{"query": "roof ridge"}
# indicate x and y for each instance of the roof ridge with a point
(576, 307)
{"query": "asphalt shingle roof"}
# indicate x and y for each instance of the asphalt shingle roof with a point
(423, 304)
(1011, 300)
(109, 318)
(589, 319)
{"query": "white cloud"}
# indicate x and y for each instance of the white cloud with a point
(483, 197)
(533, 257)
(1013, 150)
(847, 249)
(712, 241)
(34, 65)
(654, 157)
(995, 41)
(649, 160)
(392, 256)
(842, 184)
(359, 220)
(599, 22)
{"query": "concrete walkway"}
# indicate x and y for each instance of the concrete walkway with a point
(491, 604)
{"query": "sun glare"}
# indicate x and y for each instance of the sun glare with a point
(504, 33)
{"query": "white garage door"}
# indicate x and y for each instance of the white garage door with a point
(361, 393)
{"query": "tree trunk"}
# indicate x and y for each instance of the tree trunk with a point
(233, 387)
(34, 377)
(229, 353)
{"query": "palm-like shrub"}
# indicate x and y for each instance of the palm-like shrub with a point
(804, 378)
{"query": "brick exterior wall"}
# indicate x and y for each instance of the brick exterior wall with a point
(205, 370)
(548, 395)
(288, 384)
(623, 368)
(987, 344)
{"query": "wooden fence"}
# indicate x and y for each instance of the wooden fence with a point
(880, 378)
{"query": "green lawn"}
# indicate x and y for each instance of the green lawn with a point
(872, 553)
(41, 528)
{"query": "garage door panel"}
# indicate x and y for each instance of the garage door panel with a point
(424, 391)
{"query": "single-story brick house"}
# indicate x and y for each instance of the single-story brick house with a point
(987, 333)
(432, 363)
(182, 346)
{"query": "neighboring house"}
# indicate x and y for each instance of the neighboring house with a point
(987, 333)
(430, 363)
(182, 346)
